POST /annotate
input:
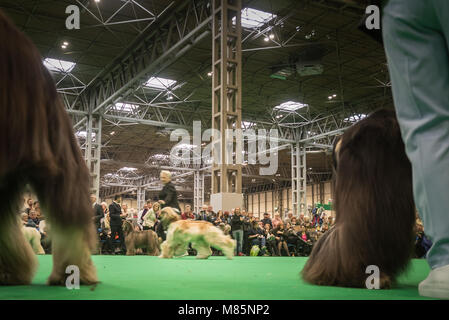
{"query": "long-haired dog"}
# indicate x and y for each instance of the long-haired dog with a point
(136, 239)
(201, 234)
(375, 212)
(37, 146)
(34, 239)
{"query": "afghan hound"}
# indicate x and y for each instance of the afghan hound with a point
(375, 211)
(38, 147)
(140, 239)
(201, 234)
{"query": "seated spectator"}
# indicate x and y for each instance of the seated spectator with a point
(290, 235)
(294, 222)
(45, 238)
(266, 219)
(276, 221)
(301, 219)
(270, 240)
(149, 220)
(33, 219)
(144, 211)
(29, 206)
(219, 219)
(226, 217)
(24, 217)
(187, 214)
(422, 243)
(281, 238)
(256, 237)
(202, 215)
(289, 217)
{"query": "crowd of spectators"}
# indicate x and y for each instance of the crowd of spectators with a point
(266, 236)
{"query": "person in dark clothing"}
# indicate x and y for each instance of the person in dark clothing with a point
(237, 230)
(116, 222)
(270, 240)
(266, 219)
(98, 211)
(168, 197)
(202, 215)
(256, 237)
(281, 238)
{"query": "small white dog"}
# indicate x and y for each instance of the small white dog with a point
(201, 234)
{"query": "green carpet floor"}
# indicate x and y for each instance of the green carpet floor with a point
(244, 278)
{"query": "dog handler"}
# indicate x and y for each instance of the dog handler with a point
(416, 39)
(168, 197)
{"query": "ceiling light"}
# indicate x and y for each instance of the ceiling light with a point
(330, 97)
(112, 133)
(334, 95)
(169, 97)
(266, 39)
(355, 117)
(63, 46)
(271, 36)
(209, 74)
(65, 43)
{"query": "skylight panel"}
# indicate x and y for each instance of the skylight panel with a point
(290, 106)
(355, 117)
(252, 18)
(160, 83)
(125, 107)
(59, 65)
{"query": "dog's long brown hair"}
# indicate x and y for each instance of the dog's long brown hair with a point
(37, 146)
(374, 206)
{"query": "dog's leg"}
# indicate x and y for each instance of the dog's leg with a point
(223, 243)
(167, 252)
(64, 198)
(17, 259)
(153, 245)
(69, 249)
(203, 249)
(36, 243)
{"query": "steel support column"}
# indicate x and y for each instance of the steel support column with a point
(140, 198)
(299, 179)
(93, 151)
(227, 101)
(198, 191)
